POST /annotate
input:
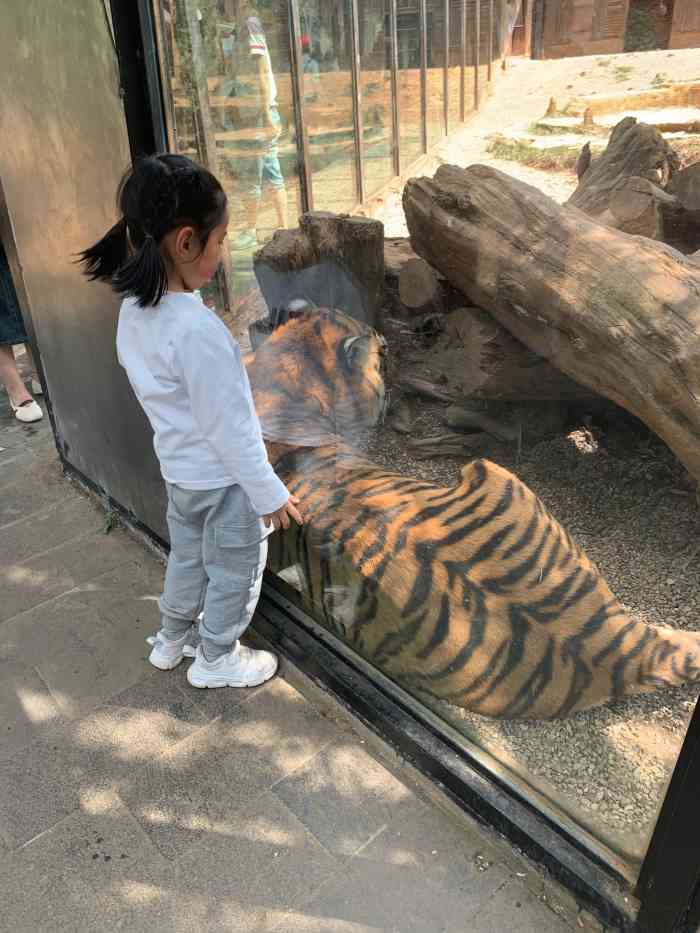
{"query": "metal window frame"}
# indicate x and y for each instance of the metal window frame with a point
(302, 132)
(358, 122)
(446, 71)
(489, 76)
(477, 54)
(463, 88)
(395, 102)
(668, 887)
(424, 73)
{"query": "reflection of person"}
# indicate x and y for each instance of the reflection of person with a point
(311, 69)
(12, 333)
(186, 371)
(254, 67)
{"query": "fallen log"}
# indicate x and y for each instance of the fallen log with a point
(618, 314)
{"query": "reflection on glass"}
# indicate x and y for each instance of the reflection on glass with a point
(409, 80)
(326, 27)
(229, 74)
(455, 73)
(375, 86)
(435, 35)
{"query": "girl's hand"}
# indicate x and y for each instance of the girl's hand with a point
(280, 518)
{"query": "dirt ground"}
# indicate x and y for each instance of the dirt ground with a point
(521, 96)
(611, 483)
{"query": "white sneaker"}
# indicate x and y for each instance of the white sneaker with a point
(242, 667)
(167, 654)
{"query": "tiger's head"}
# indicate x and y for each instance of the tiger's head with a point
(318, 377)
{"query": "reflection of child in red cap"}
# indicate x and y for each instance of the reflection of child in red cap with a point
(305, 42)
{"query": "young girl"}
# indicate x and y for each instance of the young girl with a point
(186, 371)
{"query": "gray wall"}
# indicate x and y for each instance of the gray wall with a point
(63, 149)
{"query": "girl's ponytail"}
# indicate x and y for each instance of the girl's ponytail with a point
(159, 194)
(103, 260)
(144, 275)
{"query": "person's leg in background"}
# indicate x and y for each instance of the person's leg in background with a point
(235, 554)
(23, 405)
(250, 169)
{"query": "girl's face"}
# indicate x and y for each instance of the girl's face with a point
(193, 266)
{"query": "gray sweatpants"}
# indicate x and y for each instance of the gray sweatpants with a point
(218, 550)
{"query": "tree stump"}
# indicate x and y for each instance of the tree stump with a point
(618, 314)
(634, 150)
(330, 261)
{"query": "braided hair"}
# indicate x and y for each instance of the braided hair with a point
(157, 195)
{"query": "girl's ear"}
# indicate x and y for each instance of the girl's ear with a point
(185, 244)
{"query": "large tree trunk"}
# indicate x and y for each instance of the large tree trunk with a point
(332, 261)
(619, 314)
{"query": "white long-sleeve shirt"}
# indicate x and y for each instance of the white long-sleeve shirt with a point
(187, 372)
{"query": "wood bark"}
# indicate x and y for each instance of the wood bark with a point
(618, 314)
(331, 260)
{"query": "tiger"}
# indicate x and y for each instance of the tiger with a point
(472, 594)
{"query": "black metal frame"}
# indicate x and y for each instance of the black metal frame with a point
(302, 134)
(446, 72)
(669, 883)
(395, 103)
(357, 105)
(477, 53)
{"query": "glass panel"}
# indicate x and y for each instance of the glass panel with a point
(455, 76)
(410, 93)
(484, 49)
(470, 74)
(375, 84)
(326, 27)
(228, 71)
(439, 543)
(435, 12)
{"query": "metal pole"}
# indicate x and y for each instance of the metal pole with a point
(357, 105)
(477, 47)
(490, 45)
(463, 46)
(424, 73)
(446, 72)
(297, 75)
(395, 105)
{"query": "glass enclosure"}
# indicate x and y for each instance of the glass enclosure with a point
(471, 508)
(374, 22)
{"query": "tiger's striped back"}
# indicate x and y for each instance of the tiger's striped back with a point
(474, 594)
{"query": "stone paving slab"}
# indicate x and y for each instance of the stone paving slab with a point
(131, 801)
(41, 531)
(345, 797)
(28, 583)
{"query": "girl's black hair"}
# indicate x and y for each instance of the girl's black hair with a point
(157, 195)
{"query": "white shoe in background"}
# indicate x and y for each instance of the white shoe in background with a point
(28, 412)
